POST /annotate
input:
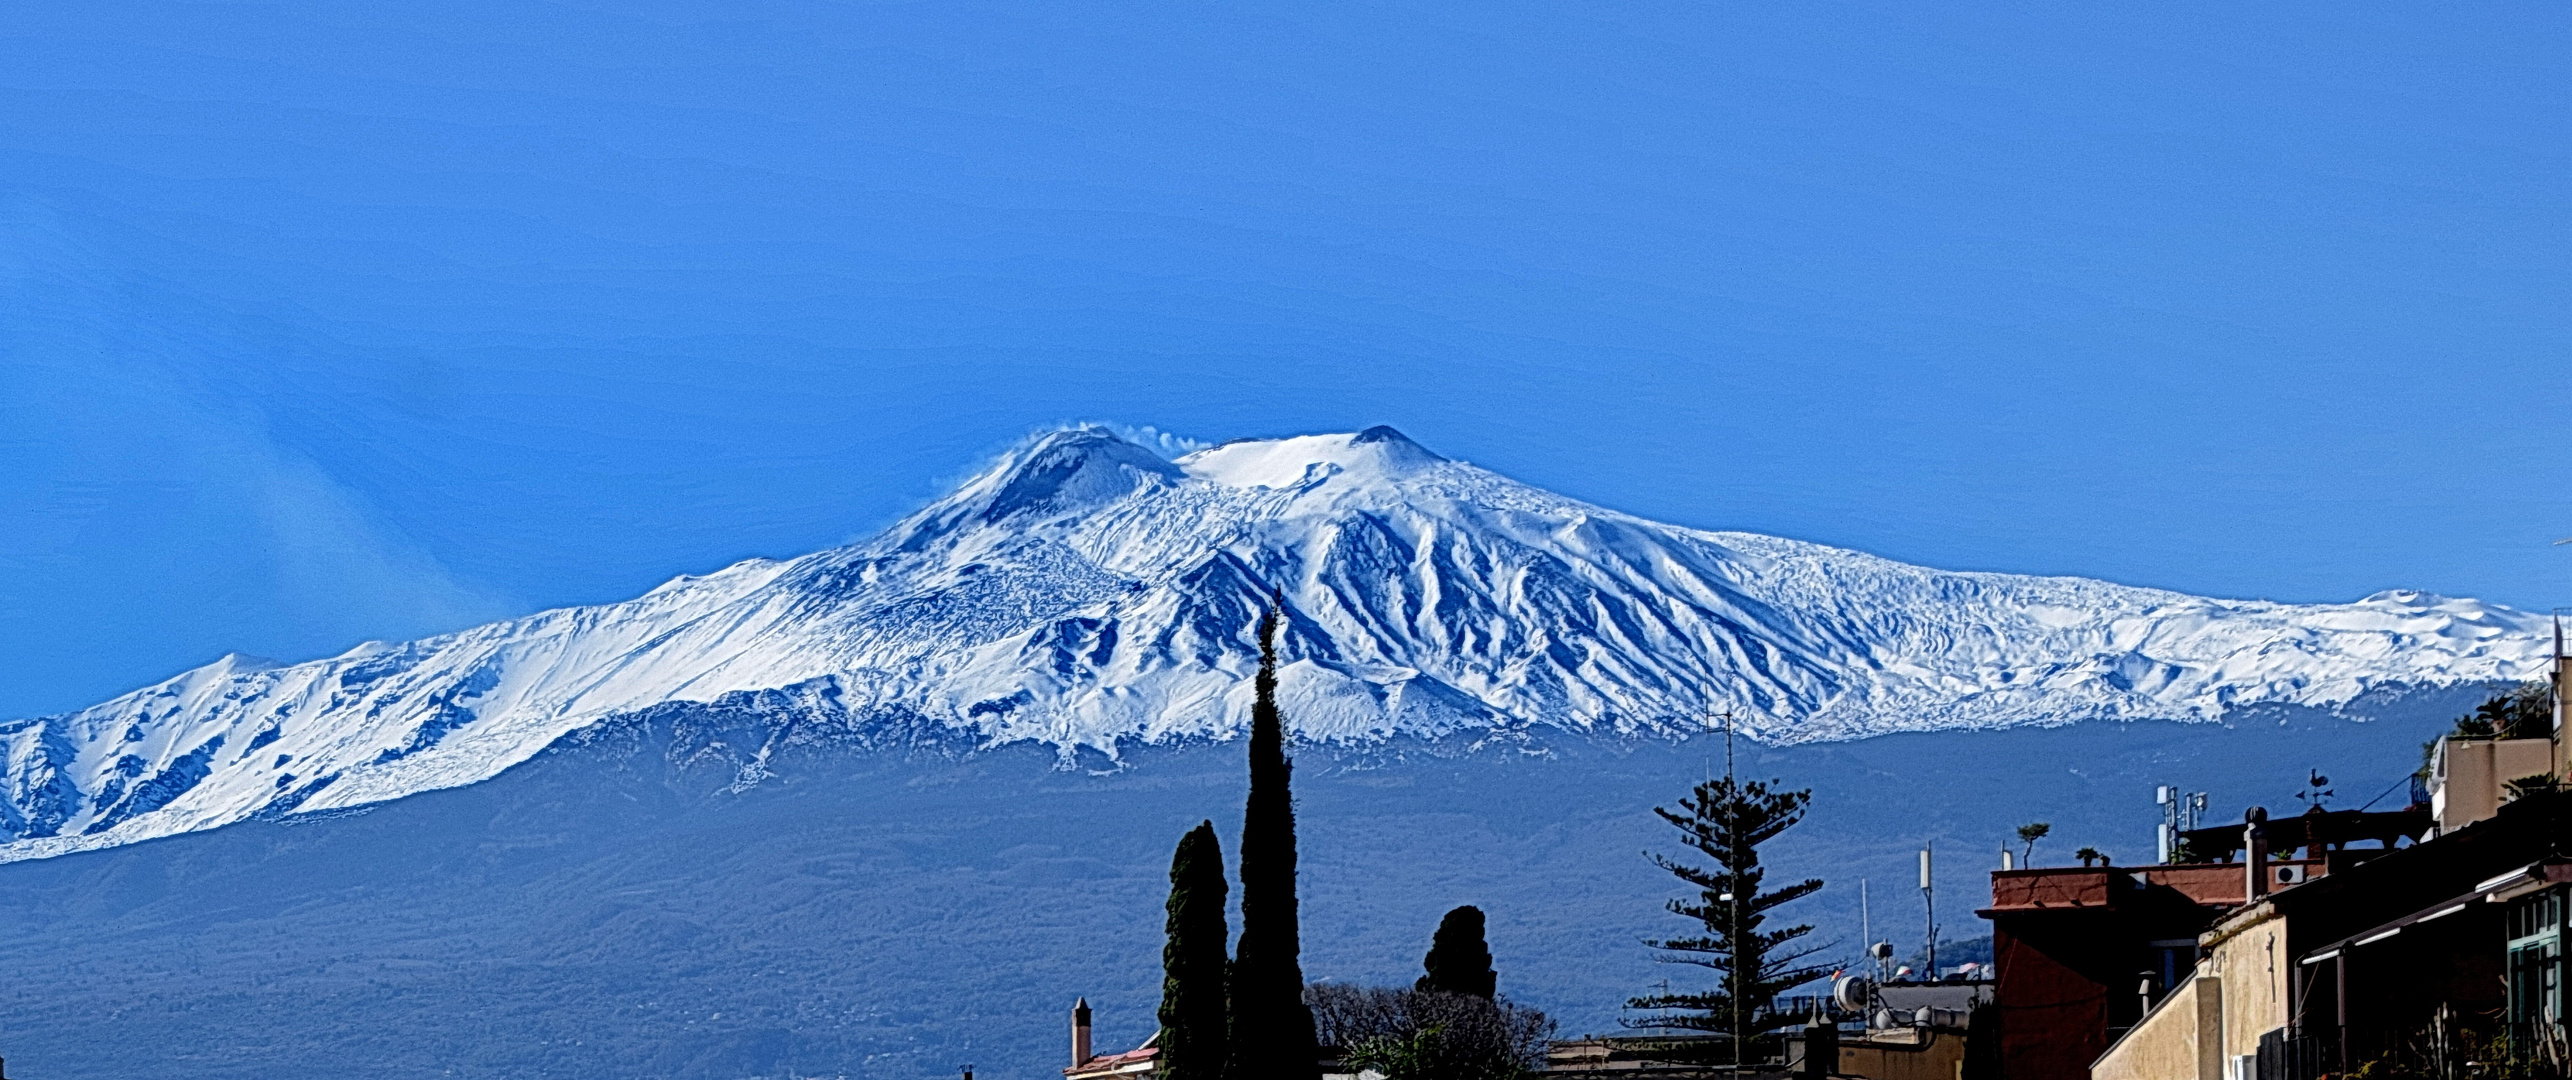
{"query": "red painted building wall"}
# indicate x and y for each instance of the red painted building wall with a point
(2071, 947)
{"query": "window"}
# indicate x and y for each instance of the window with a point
(2536, 959)
(2172, 960)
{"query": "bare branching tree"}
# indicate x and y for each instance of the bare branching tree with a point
(1427, 1035)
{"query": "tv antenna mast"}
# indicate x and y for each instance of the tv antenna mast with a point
(1866, 932)
(2180, 812)
(1733, 899)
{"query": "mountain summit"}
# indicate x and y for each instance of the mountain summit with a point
(1086, 592)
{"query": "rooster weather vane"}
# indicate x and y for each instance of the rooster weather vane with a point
(2314, 791)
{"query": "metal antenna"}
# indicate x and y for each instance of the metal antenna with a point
(1866, 933)
(1929, 909)
(1734, 896)
(1728, 745)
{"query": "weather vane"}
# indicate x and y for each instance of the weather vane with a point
(2314, 791)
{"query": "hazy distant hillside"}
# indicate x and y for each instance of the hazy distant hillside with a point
(621, 908)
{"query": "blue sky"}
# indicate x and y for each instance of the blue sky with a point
(321, 322)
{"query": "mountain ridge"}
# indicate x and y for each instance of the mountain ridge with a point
(1087, 592)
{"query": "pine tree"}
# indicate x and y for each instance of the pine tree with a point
(1727, 822)
(1272, 1028)
(1193, 961)
(2029, 834)
(1458, 961)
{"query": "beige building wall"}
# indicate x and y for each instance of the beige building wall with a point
(2471, 776)
(2518, 759)
(2179, 1041)
(2247, 952)
(2239, 994)
(2562, 712)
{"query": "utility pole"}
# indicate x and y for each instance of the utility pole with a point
(1929, 905)
(1733, 897)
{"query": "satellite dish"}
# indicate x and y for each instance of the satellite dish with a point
(1853, 993)
(1882, 950)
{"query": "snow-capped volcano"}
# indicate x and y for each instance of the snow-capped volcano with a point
(1085, 591)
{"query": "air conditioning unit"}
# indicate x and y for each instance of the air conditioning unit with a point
(2291, 875)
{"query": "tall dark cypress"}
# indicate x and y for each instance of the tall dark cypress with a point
(1458, 961)
(1272, 1028)
(1193, 961)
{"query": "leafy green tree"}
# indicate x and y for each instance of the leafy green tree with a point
(1193, 961)
(1272, 1028)
(1411, 1056)
(2524, 711)
(1726, 822)
(1458, 961)
(1411, 1034)
(2541, 783)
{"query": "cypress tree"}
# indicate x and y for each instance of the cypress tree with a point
(1458, 961)
(1272, 1028)
(1193, 961)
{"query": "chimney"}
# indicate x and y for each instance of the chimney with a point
(2255, 854)
(1821, 1049)
(1081, 1033)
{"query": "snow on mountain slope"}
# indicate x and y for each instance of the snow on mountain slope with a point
(1084, 591)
